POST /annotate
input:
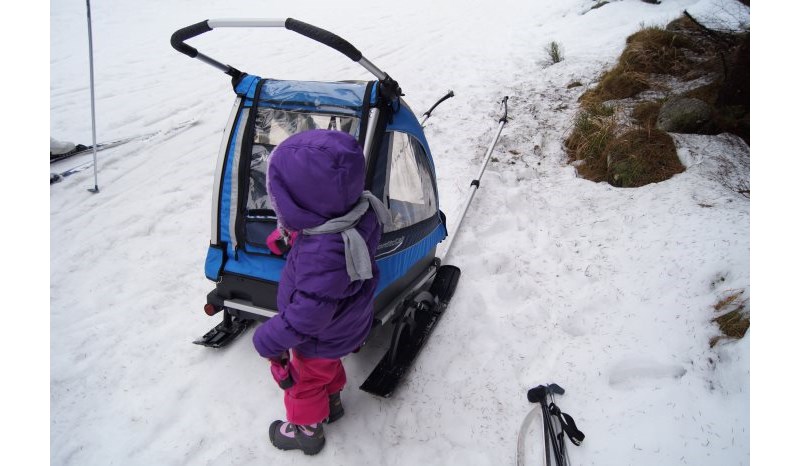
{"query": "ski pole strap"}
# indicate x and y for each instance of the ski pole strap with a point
(567, 425)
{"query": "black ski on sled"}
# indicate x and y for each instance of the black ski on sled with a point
(225, 332)
(411, 331)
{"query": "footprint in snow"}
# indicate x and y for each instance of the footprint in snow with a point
(636, 373)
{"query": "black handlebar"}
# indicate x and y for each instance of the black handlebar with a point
(179, 38)
(325, 37)
(181, 35)
(389, 87)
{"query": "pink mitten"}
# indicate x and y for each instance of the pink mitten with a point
(280, 371)
(277, 243)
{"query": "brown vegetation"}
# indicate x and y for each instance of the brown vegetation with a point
(641, 156)
(618, 142)
(734, 322)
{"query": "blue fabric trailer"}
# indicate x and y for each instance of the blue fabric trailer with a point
(414, 288)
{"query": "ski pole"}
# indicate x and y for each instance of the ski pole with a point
(94, 190)
(521, 439)
(476, 183)
(553, 441)
(427, 114)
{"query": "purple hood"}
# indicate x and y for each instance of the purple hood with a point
(313, 177)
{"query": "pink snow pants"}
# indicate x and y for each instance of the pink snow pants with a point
(314, 380)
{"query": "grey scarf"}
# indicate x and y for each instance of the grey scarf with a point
(359, 264)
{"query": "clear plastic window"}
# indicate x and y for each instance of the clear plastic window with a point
(272, 127)
(411, 195)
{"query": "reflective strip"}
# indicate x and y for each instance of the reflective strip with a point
(223, 149)
(372, 122)
(388, 176)
(234, 178)
(244, 306)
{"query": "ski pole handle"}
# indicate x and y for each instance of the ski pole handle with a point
(504, 118)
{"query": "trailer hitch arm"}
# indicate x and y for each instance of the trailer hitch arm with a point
(476, 182)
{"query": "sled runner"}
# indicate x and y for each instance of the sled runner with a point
(414, 287)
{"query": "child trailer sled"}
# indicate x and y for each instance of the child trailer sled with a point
(414, 287)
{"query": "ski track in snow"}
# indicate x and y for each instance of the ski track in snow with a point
(607, 292)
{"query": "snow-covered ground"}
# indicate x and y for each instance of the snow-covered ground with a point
(608, 292)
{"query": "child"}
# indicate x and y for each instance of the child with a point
(315, 180)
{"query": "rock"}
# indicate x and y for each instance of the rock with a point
(683, 115)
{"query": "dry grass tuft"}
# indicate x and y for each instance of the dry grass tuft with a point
(620, 83)
(594, 128)
(555, 52)
(602, 150)
(735, 320)
(651, 50)
(646, 113)
(641, 156)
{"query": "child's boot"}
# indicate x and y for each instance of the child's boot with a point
(336, 408)
(287, 436)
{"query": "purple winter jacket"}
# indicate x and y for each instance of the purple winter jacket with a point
(315, 176)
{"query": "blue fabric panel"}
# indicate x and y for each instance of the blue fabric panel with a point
(214, 259)
(225, 201)
(391, 268)
(396, 265)
(247, 86)
(256, 266)
(373, 97)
